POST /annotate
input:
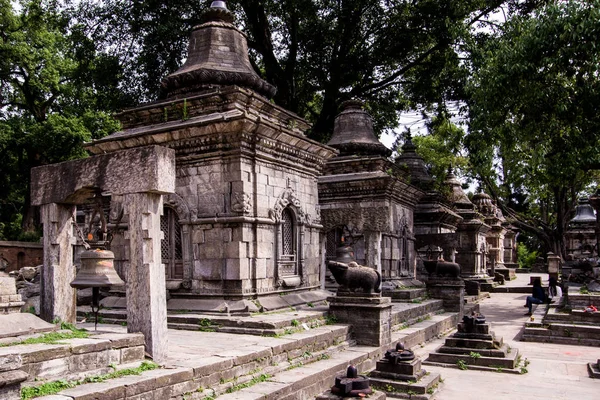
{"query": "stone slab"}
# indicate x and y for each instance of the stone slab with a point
(140, 170)
(18, 324)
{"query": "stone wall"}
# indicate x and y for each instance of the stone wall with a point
(16, 255)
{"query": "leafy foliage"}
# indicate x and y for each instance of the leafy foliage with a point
(55, 92)
(534, 133)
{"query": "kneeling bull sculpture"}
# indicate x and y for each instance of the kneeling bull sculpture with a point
(352, 276)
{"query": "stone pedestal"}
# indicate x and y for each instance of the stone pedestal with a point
(450, 290)
(370, 316)
(10, 300)
(594, 369)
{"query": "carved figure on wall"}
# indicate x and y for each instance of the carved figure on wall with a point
(241, 203)
(352, 276)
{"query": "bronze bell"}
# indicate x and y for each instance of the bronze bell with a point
(97, 270)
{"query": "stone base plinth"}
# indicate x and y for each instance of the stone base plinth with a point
(403, 371)
(450, 290)
(424, 388)
(370, 317)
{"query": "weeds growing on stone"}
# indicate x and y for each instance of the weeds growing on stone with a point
(54, 387)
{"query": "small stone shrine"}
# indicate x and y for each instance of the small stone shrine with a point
(581, 231)
(367, 200)
(400, 373)
(471, 233)
(351, 385)
(474, 346)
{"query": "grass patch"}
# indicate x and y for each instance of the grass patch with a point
(257, 379)
(54, 387)
(53, 337)
(462, 365)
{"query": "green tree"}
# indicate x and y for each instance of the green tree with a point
(54, 93)
(534, 128)
(392, 54)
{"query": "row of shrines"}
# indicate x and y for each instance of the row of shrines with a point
(257, 207)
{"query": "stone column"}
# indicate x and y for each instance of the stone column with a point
(58, 299)
(373, 250)
(553, 265)
(146, 291)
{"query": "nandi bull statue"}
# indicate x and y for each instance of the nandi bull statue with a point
(351, 276)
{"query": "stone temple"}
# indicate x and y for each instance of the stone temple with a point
(216, 201)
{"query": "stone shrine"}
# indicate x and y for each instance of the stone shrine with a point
(366, 200)
(244, 220)
(400, 374)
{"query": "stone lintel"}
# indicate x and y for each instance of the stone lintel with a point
(148, 169)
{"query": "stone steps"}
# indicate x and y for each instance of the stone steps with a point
(192, 378)
(560, 333)
(403, 313)
(77, 358)
(271, 324)
(422, 331)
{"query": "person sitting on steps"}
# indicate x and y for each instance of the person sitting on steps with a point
(537, 296)
(554, 291)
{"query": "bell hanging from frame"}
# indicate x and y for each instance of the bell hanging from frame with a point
(97, 270)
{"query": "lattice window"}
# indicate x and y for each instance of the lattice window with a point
(164, 244)
(287, 233)
(331, 244)
(403, 249)
(171, 245)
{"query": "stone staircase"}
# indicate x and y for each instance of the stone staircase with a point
(297, 363)
(551, 324)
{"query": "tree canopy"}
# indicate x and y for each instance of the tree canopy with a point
(534, 129)
(527, 85)
(55, 93)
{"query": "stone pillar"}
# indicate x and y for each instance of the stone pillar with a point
(146, 291)
(553, 265)
(450, 290)
(369, 315)
(58, 299)
(373, 250)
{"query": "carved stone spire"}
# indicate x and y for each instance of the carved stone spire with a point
(414, 162)
(353, 132)
(458, 197)
(217, 56)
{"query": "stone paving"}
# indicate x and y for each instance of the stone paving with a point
(556, 372)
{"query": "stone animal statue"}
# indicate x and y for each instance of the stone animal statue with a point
(352, 276)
